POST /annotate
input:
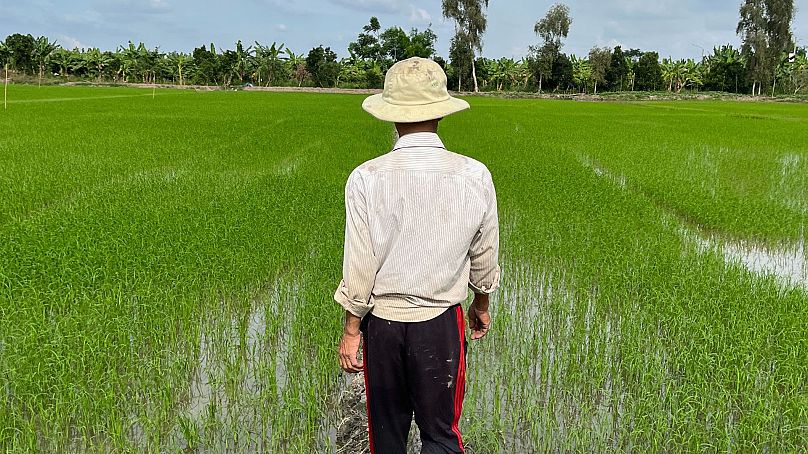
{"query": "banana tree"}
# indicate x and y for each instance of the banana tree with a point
(508, 70)
(62, 58)
(799, 73)
(129, 57)
(581, 72)
(43, 50)
(97, 61)
(691, 75)
(243, 59)
(297, 66)
(492, 69)
(270, 61)
(179, 63)
(522, 72)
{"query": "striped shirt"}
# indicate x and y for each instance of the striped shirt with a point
(421, 229)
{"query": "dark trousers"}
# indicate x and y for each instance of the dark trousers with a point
(415, 368)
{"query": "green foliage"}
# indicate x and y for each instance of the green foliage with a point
(648, 72)
(323, 66)
(600, 59)
(726, 70)
(618, 73)
(460, 58)
(581, 72)
(765, 29)
(367, 45)
(21, 49)
(555, 26)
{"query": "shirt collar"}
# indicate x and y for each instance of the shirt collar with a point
(419, 140)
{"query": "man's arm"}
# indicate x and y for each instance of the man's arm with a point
(485, 272)
(358, 273)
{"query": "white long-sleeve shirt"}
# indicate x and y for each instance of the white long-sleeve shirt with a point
(421, 229)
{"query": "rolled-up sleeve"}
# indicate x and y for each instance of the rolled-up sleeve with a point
(359, 265)
(484, 251)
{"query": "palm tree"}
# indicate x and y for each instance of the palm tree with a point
(43, 49)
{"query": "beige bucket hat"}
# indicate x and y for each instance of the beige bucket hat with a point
(414, 90)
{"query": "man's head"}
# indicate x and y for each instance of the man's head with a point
(414, 93)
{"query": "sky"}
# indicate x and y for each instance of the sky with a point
(674, 28)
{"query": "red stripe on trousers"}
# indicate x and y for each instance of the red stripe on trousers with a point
(367, 395)
(460, 385)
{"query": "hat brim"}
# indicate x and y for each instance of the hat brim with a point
(383, 110)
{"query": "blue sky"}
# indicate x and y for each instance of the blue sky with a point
(677, 28)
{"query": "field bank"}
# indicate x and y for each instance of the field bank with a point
(167, 265)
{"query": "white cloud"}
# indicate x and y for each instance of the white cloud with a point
(281, 27)
(419, 15)
(69, 42)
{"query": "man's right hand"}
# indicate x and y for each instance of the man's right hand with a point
(479, 318)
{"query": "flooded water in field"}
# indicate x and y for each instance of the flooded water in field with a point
(527, 373)
(786, 261)
(239, 376)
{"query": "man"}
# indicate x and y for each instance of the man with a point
(421, 229)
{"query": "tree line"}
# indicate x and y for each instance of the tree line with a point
(769, 61)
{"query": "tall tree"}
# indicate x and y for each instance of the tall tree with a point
(648, 73)
(618, 70)
(394, 43)
(765, 29)
(470, 25)
(553, 28)
(422, 44)
(323, 66)
(461, 58)
(21, 47)
(367, 46)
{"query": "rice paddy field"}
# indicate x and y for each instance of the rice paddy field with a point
(167, 266)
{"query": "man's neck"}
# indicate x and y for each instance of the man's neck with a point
(413, 128)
